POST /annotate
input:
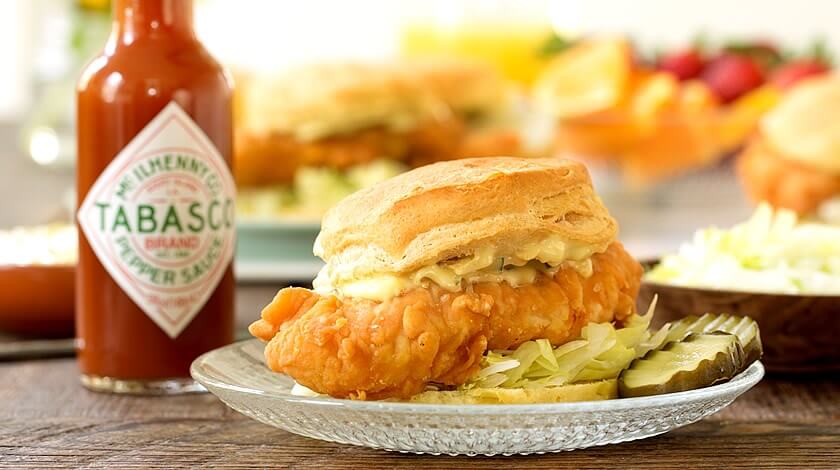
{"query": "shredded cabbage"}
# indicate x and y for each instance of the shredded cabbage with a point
(53, 244)
(772, 252)
(601, 352)
(313, 191)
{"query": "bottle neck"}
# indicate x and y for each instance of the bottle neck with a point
(137, 18)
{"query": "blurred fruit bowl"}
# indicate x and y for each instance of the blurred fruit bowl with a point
(684, 111)
(682, 130)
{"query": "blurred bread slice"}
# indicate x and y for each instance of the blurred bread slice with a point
(805, 125)
(317, 101)
(470, 88)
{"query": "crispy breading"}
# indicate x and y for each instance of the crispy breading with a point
(371, 350)
(266, 158)
(768, 176)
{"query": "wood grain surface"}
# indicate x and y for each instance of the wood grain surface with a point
(48, 421)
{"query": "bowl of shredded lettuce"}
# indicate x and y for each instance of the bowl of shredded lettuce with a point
(276, 225)
(772, 252)
(776, 268)
(310, 194)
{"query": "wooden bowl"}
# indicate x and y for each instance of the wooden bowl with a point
(800, 333)
(37, 300)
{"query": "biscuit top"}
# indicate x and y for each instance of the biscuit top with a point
(511, 208)
(805, 125)
(316, 101)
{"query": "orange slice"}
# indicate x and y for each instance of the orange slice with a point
(651, 94)
(587, 78)
(742, 116)
(609, 133)
(604, 135)
(683, 137)
(696, 98)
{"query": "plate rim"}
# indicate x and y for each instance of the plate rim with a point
(744, 380)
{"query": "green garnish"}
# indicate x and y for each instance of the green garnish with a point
(555, 44)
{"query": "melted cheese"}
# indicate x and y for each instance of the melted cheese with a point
(485, 265)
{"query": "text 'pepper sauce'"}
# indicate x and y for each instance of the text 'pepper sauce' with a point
(155, 281)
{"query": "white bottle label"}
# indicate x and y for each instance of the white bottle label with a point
(160, 218)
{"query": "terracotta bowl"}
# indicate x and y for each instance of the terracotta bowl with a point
(800, 333)
(37, 300)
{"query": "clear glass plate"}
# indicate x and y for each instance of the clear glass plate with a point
(238, 376)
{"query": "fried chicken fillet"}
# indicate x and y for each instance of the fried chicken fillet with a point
(794, 160)
(768, 176)
(429, 270)
(362, 348)
(258, 154)
(346, 114)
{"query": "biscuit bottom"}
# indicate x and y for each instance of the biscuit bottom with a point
(357, 348)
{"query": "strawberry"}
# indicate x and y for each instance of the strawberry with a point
(684, 65)
(730, 76)
(789, 74)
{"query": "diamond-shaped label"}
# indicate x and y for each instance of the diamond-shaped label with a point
(160, 218)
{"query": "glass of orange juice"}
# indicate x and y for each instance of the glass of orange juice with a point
(507, 34)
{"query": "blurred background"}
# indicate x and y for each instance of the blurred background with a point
(660, 192)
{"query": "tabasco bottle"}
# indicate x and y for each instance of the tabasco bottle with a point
(155, 282)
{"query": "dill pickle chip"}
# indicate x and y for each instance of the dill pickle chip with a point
(745, 328)
(698, 360)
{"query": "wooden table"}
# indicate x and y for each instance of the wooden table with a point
(48, 421)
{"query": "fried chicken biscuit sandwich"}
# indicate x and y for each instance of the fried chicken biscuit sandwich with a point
(429, 271)
(342, 115)
(794, 160)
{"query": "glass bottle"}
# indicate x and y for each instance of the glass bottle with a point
(155, 285)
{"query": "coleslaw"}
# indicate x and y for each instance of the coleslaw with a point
(772, 252)
(602, 352)
(313, 191)
(53, 244)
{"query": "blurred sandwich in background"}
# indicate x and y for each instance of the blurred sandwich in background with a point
(793, 161)
(310, 136)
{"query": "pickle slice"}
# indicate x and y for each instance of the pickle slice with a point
(745, 328)
(699, 360)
